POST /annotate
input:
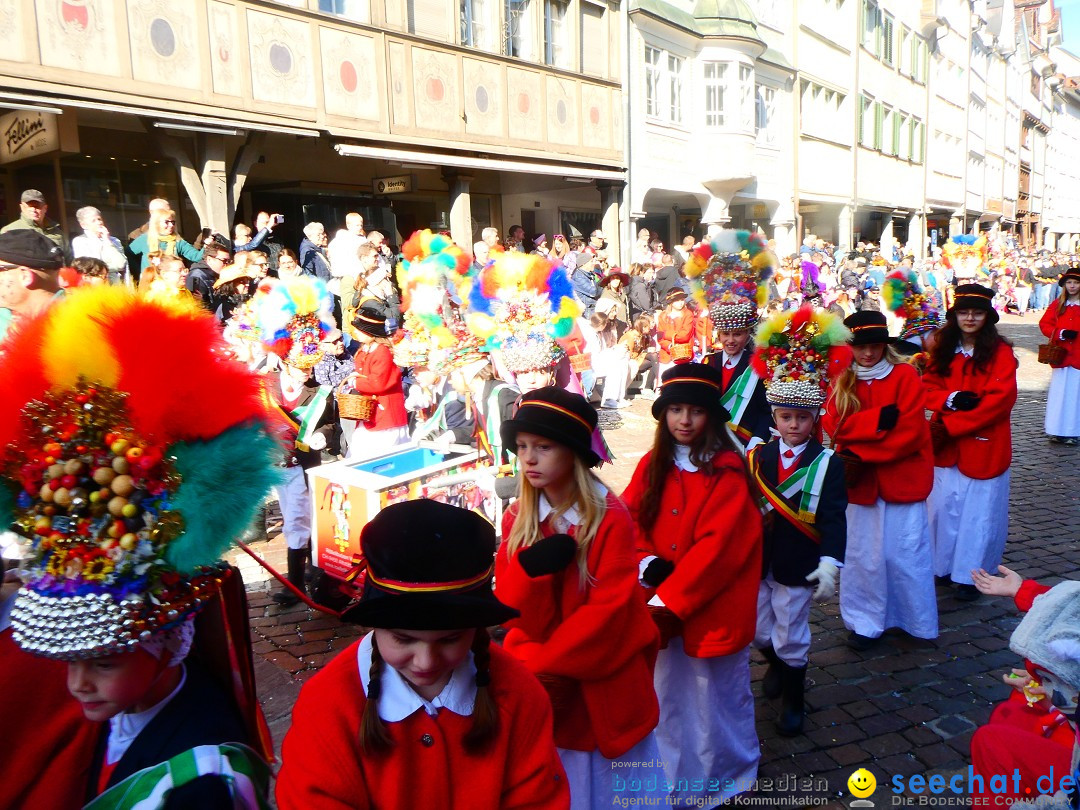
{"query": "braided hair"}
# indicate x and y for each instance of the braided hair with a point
(374, 736)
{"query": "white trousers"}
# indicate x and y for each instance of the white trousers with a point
(295, 502)
(969, 522)
(783, 620)
(888, 574)
(595, 781)
(706, 734)
(614, 366)
(363, 443)
(1063, 403)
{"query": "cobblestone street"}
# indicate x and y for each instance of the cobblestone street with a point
(904, 707)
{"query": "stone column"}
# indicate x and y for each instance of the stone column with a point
(844, 227)
(783, 225)
(956, 223)
(916, 241)
(461, 230)
(611, 213)
(715, 216)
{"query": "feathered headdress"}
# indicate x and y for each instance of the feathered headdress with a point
(430, 272)
(294, 317)
(519, 305)
(797, 355)
(920, 308)
(728, 275)
(131, 464)
(966, 255)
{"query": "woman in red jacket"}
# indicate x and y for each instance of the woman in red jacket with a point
(970, 386)
(567, 564)
(423, 711)
(676, 328)
(1061, 323)
(699, 549)
(376, 375)
(875, 413)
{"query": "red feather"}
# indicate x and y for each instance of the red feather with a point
(757, 362)
(23, 377)
(703, 251)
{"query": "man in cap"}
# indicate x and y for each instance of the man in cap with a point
(29, 274)
(32, 216)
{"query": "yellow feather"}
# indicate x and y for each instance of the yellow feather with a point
(74, 344)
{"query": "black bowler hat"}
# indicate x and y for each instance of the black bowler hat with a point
(558, 415)
(974, 296)
(692, 384)
(868, 327)
(24, 247)
(370, 321)
(429, 567)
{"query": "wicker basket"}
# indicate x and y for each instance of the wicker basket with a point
(1052, 354)
(939, 436)
(853, 468)
(581, 362)
(360, 407)
(682, 351)
(563, 692)
(668, 623)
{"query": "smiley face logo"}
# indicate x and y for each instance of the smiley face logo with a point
(862, 783)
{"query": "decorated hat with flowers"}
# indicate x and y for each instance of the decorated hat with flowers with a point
(519, 305)
(919, 307)
(966, 255)
(798, 353)
(728, 275)
(294, 318)
(130, 469)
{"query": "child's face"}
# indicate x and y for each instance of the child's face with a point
(685, 422)
(425, 658)
(868, 354)
(113, 684)
(1072, 286)
(533, 380)
(734, 340)
(794, 424)
(544, 462)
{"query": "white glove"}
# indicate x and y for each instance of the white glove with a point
(317, 441)
(825, 577)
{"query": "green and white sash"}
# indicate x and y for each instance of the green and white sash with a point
(737, 398)
(307, 417)
(808, 481)
(244, 771)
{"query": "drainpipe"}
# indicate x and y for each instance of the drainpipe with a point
(626, 239)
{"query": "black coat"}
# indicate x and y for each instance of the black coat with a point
(642, 300)
(325, 424)
(788, 553)
(200, 283)
(758, 416)
(667, 279)
(200, 714)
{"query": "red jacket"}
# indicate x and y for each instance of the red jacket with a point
(710, 527)
(898, 464)
(322, 765)
(674, 327)
(379, 376)
(1051, 324)
(981, 439)
(601, 636)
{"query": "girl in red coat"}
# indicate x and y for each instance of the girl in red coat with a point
(1061, 323)
(567, 563)
(699, 550)
(376, 375)
(875, 413)
(970, 386)
(676, 329)
(423, 711)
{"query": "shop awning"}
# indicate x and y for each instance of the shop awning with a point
(465, 162)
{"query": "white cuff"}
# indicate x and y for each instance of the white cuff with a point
(641, 569)
(949, 401)
(656, 601)
(832, 560)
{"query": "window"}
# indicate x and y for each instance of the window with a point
(715, 78)
(887, 30)
(746, 96)
(879, 124)
(475, 24)
(904, 50)
(901, 136)
(866, 107)
(350, 9)
(652, 81)
(871, 24)
(594, 40)
(519, 29)
(556, 34)
(920, 57)
(675, 69)
(766, 113)
(917, 134)
(888, 126)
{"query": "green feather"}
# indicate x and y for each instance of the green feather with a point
(778, 339)
(223, 483)
(7, 505)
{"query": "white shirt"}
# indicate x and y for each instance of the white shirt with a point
(732, 360)
(126, 726)
(398, 700)
(571, 517)
(798, 451)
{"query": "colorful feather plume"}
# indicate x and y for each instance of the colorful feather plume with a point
(920, 307)
(729, 276)
(294, 317)
(797, 355)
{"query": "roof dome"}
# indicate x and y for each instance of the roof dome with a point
(726, 18)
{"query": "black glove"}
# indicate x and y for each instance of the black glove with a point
(1068, 334)
(888, 417)
(656, 572)
(965, 401)
(549, 555)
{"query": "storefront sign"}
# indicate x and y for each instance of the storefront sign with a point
(392, 185)
(26, 134)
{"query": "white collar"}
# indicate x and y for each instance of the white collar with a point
(784, 447)
(571, 517)
(879, 371)
(1072, 303)
(399, 700)
(960, 349)
(126, 726)
(732, 360)
(682, 458)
